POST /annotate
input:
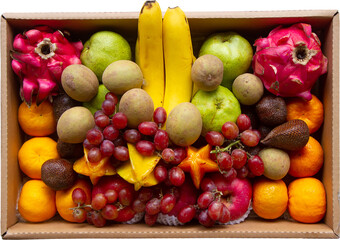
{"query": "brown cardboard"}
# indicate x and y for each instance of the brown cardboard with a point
(250, 24)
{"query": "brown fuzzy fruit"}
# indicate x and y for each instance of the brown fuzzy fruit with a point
(58, 174)
(292, 135)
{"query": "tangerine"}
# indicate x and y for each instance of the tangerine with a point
(36, 201)
(64, 200)
(37, 121)
(34, 152)
(270, 198)
(307, 161)
(307, 200)
(309, 111)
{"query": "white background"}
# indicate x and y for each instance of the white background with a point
(186, 5)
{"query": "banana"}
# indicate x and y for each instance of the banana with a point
(149, 51)
(178, 58)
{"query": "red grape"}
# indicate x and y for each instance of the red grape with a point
(110, 212)
(230, 130)
(256, 165)
(119, 141)
(168, 203)
(214, 138)
(79, 215)
(98, 201)
(186, 214)
(207, 184)
(138, 205)
(150, 219)
(215, 210)
(87, 144)
(153, 206)
(180, 155)
(224, 161)
(159, 115)
(239, 158)
(119, 120)
(78, 196)
(121, 153)
(111, 96)
(225, 215)
(176, 176)
(89, 217)
(161, 173)
(94, 136)
(97, 219)
(110, 133)
(230, 175)
(132, 136)
(242, 172)
(125, 196)
(108, 107)
(111, 195)
(168, 155)
(107, 148)
(145, 194)
(257, 132)
(94, 155)
(148, 128)
(98, 113)
(161, 140)
(249, 138)
(146, 148)
(102, 121)
(205, 199)
(243, 122)
(204, 219)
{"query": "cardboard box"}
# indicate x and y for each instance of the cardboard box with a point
(250, 24)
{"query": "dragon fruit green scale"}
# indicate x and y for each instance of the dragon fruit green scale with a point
(289, 61)
(39, 57)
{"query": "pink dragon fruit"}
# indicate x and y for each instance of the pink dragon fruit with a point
(289, 61)
(39, 57)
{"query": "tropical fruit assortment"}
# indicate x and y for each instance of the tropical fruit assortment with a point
(167, 137)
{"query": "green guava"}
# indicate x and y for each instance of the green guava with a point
(96, 103)
(216, 108)
(102, 49)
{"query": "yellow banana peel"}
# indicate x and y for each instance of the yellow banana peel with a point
(149, 51)
(178, 58)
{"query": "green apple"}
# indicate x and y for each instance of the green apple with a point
(216, 108)
(102, 49)
(96, 103)
(233, 50)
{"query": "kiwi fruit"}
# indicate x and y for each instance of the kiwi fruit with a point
(58, 174)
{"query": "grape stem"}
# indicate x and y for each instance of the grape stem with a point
(227, 148)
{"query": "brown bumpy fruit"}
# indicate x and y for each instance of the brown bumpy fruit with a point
(271, 110)
(61, 103)
(70, 150)
(292, 135)
(58, 174)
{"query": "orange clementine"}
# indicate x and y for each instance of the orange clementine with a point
(307, 161)
(38, 121)
(34, 152)
(309, 111)
(64, 200)
(36, 201)
(270, 198)
(307, 200)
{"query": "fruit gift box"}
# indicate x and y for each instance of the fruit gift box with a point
(112, 130)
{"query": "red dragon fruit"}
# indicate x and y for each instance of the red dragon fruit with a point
(289, 61)
(39, 57)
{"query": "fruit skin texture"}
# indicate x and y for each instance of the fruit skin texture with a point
(102, 49)
(307, 200)
(237, 194)
(178, 58)
(64, 199)
(289, 61)
(74, 123)
(247, 88)
(137, 105)
(271, 110)
(307, 161)
(149, 51)
(38, 121)
(39, 57)
(276, 163)
(309, 111)
(34, 152)
(79, 82)
(234, 51)
(270, 198)
(216, 108)
(184, 124)
(36, 201)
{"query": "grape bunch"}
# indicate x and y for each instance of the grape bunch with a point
(230, 154)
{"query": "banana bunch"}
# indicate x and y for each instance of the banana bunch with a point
(171, 38)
